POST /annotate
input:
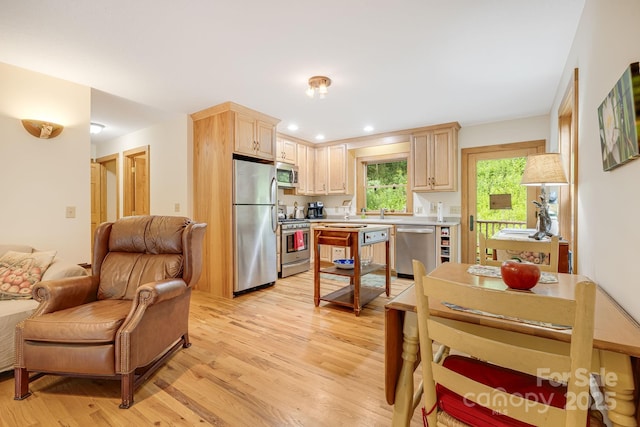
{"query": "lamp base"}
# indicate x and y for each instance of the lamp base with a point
(539, 235)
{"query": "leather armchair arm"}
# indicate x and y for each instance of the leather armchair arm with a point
(54, 295)
(150, 294)
(155, 292)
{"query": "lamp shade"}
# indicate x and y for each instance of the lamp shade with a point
(544, 169)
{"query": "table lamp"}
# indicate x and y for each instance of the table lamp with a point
(543, 169)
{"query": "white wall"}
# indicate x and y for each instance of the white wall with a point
(170, 170)
(608, 204)
(40, 178)
(505, 132)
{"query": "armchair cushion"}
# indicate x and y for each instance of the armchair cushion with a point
(136, 258)
(122, 272)
(95, 322)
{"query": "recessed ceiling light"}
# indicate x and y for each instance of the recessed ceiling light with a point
(368, 128)
(292, 126)
(319, 137)
(95, 128)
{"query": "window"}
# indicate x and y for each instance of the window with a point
(385, 184)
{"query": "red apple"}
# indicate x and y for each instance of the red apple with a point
(519, 275)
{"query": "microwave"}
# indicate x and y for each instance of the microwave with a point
(287, 175)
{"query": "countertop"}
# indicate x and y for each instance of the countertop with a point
(391, 220)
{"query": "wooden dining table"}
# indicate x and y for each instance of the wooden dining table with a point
(616, 342)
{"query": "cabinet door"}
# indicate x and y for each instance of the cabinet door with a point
(245, 141)
(443, 161)
(320, 184)
(289, 149)
(301, 161)
(434, 160)
(419, 157)
(337, 169)
(266, 140)
(311, 170)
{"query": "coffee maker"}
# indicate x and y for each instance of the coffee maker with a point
(315, 210)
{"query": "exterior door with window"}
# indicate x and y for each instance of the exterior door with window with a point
(494, 170)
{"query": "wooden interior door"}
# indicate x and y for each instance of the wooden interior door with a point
(104, 191)
(97, 202)
(136, 182)
(470, 157)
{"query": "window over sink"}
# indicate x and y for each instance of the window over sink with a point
(384, 183)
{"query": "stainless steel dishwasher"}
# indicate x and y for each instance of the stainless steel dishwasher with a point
(415, 242)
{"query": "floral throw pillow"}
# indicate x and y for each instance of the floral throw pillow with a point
(19, 271)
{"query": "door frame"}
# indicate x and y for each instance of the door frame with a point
(568, 148)
(467, 235)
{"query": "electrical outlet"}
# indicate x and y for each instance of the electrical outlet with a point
(338, 253)
(455, 210)
(70, 212)
(433, 208)
(176, 207)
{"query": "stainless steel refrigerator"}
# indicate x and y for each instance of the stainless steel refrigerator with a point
(254, 224)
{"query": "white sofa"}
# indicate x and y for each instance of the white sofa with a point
(15, 310)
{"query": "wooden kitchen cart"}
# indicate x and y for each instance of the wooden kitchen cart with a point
(354, 237)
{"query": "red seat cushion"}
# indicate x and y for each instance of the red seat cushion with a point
(514, 382)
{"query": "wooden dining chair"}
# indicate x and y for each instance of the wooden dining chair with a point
(499, 378)
(544, 253)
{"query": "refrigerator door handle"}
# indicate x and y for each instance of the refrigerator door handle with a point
(274, 189)
(274, 219)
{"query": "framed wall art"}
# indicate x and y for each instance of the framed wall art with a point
(618, 119)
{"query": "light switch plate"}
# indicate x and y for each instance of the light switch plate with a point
(70, 212)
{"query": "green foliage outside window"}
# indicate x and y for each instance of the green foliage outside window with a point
(501, 176)
(386, 186)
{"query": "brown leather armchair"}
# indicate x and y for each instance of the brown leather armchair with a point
(124, 320)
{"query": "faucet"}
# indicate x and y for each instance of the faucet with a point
(382, 211)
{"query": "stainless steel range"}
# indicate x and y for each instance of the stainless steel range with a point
(295, 235)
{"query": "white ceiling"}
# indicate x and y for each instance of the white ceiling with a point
(394, 64)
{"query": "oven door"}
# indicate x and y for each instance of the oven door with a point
(295, 249)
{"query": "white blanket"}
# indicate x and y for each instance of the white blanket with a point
(11, 313)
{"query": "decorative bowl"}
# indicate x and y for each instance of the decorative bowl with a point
(519, 275)
(346, 264)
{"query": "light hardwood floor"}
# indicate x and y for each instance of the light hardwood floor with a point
(267, 358)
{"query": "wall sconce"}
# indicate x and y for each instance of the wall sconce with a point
(318, 84)
(43, 130)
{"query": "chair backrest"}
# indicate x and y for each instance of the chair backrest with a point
(545, 252)
(140, 249)
(524, 353)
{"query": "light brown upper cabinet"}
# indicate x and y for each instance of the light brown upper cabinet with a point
(333, 170)
(434, 159)
(286, 151)
(340, 170)
(304, 160)
(255, 137)
(320, 176)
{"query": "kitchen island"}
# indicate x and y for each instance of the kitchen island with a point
(354, 237)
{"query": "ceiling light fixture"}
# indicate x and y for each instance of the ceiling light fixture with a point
(368, 129)
(292, 127)
(41, 129)
(318, 84)
(319, 137)
(95, 128)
